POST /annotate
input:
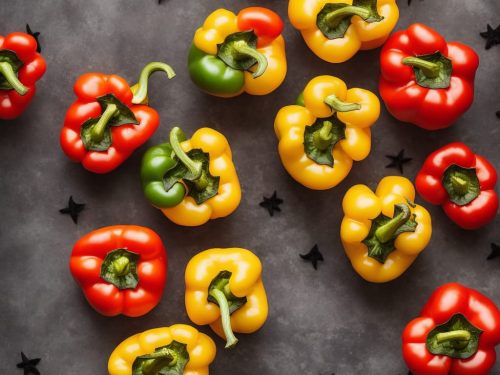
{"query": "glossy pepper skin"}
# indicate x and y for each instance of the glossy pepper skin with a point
(406, 237)
(20, 67)
(352, 112)
(359, 35)
(462, 183)
(409, 63)
(200, 349)
(124, 127)
(215, 76)
(243, 286)
(451, 301)
(135, 265)
(180, 208)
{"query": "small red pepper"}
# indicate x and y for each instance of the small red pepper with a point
(462, 183)
(455, 334)
(20, 67)
(121, 269)
(425, 80)
(265, 23)
(108, 122)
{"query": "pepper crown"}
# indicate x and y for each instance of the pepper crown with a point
(9, 67)
(170, 359)
(120, 269)
(461, 184)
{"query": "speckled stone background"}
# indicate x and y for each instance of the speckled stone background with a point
(320, 322)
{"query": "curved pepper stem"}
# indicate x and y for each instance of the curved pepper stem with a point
(322, 138)
(8, 72)
(340, 106)
(97, 132)
(385, 232)
(430, 69)
(334, 18)
(244, 49)
(459, 339)
(158, 360)
(221, 299)
(141, 88)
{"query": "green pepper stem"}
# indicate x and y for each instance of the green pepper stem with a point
(243, 48)
(385, 232)
(430, 69)
(176, 135)
(157, 361)
(97, 132)
(460, 185)
(221, 299)
(339, 106)
(121, 266)
(11, 77)
(459, 338)
(142, 85)
(322, 138)
(337, 15)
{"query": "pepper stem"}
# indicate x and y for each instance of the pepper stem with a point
(97, 132)
(385, 232)
(221, 299)
(459, 338)
(121, 266)
(176, 134)
(142, 85)
(338, 15)
(322, 138)
(157, 361)
(244, 49)
(460, 185)
(11, 77)
(340, 106)
(430, 69)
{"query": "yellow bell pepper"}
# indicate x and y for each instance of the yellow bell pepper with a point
(320, 137)
(179, 348)
(383, 232)
(227, 45)
(335, 30)
(224, 289)
(228, 196)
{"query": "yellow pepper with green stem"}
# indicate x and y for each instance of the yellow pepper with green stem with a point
(335, 30)
(177, 350)
(384, 232)
(224, 289)
(329, 128)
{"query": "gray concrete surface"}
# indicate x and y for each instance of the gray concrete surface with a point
(320, 322)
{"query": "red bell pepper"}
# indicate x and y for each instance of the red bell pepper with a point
(425, 80)
(107, 122)
(462, 182)
(20, 67)
(455, 334)
(265, 23)
(121, 269)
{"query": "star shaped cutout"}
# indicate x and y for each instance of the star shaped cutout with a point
(497, 114)
(29, 365)
(491, 35)
(35, 35)
(73, 209)
(495, 251)
(271, 204)
(313, 256)
(397, 161)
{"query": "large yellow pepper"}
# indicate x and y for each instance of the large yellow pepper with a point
(383, 232)
(180, 348)
(335, 30)
(320, 137)
(226, 41)
(224, 289)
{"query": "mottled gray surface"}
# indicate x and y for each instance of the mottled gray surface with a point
(321, 321)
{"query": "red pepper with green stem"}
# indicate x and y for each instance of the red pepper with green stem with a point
(455, 334)
(462, 183)
(108, 121)
(20, 67)
(424, 79)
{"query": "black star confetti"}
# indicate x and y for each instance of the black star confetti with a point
(29, 365)
(35, 35)
(397, 161)
(495, 251)
(73, 209)
(313, 256)
(272, 204)
(497, 114)
(491, 35)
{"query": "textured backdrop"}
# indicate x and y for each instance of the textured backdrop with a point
(321, 321)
